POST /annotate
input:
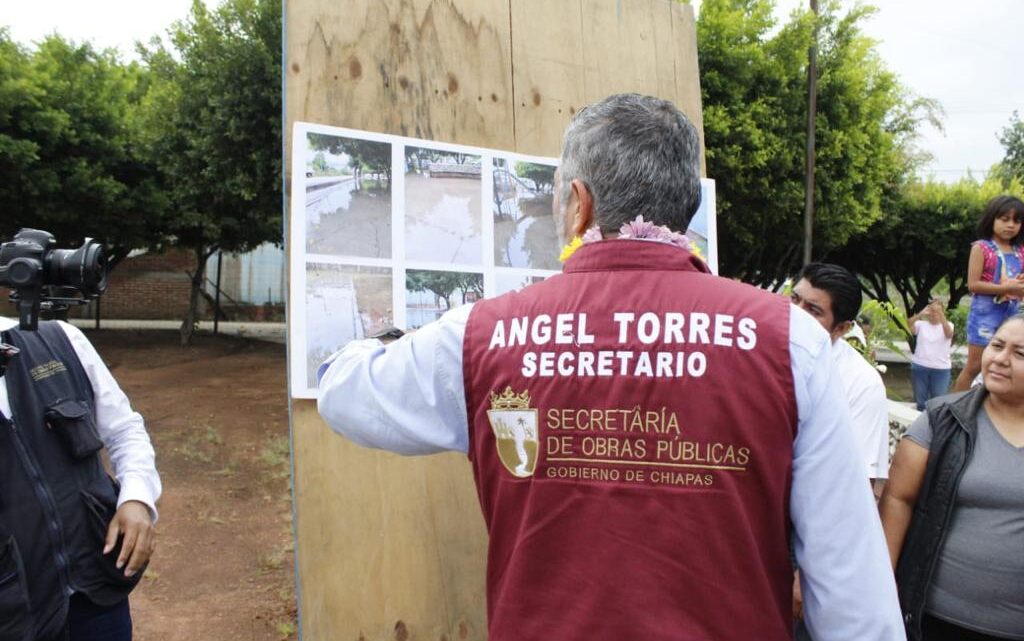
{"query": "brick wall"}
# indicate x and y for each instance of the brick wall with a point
(150, 286)
(156, 287)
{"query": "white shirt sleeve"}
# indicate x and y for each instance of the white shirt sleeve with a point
(847, 581)
(121, 428)
(407, 397)
(869, 411)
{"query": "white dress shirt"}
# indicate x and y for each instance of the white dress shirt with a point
(119, 426)
(869, 410)
(408, 397)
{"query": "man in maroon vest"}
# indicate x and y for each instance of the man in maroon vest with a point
(647, 439)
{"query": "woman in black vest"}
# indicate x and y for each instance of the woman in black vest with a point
(953, 510)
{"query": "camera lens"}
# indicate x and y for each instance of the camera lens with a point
(84, 269)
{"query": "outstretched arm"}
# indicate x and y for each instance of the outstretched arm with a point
(407, 397)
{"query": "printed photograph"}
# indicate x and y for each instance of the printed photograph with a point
(429, 294)
(505, 282)
(348, 196)
(524, 228)
(442, 206)
(697, 232)
(343, 303)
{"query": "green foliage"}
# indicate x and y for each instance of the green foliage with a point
(213, 122)
(924, 240)
(753, 84)
(444, 284)
(319, 164)
(888, 325)
(958, 316)
(70, 155)
(1012, 139)
(365, 155)
(543, 176)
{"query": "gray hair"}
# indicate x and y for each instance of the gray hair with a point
(639, 156)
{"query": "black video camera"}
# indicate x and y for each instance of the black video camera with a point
(36, 271)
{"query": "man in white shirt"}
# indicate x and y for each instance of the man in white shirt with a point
(832, 296)
(75, 540)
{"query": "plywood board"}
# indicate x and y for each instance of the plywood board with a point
(429, 69)
(395, 548)
(568, 54)
(385, 544)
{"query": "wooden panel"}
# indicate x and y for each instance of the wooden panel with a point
(384, 543)
(435, 69)
(684, 37)
(548, 63)
(388, 547)
(391, 547)
(568, 54)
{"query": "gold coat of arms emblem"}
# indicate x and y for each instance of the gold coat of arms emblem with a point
(515, 431)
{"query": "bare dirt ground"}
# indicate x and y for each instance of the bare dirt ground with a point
(218, 415)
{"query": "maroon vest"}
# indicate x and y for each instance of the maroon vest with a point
(631, 434)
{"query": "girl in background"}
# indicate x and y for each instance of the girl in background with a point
(930, 364)
(993, 277)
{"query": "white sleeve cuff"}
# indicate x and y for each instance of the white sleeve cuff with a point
(134, 488)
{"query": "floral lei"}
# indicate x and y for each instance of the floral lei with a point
(636, 229)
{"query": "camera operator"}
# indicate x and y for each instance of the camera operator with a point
(73, 541)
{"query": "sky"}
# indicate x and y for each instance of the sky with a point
(106, 23)
(962, 53)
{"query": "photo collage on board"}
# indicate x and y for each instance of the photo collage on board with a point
(394, 231)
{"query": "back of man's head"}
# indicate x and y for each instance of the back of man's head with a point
(842, 286)
(639, 156)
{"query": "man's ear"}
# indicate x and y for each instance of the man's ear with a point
(583, 217)
(841, 329)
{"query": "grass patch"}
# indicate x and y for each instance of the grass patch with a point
(199, 444)
(284, 628)
(270, 562)
(212, 436)
(228, 470)
(276, 455)
(276, 451)
(192, 453)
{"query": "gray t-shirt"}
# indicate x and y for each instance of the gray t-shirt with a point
(979, 579)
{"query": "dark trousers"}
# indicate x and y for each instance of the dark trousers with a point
(938, 630)
(90, 622)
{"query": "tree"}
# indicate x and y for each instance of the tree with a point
(366, 154)
(753, 85)
(70, 155)
(443, 284)
(543, 176)
(213, 119)
(923, 241)
(471, 283)
(1012, 139)
(319, 164)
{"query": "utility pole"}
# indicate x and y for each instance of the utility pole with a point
(812, 111)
